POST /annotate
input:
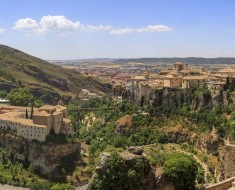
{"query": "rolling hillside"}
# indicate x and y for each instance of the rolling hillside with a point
(45, 80)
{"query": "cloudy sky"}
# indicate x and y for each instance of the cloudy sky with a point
(75, 29)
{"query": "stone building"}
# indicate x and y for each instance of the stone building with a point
(227, 71)
(173, 80)
(12, 121)
(178, 66)
(45, 119)
(193, 81)
(53, 117)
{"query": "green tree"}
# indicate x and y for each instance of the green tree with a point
(20, 97)
(182, 170)
(117, 175)
(142, 101)
(39, 185)
(3, 94)
(26, 114)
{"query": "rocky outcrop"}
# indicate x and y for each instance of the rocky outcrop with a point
(47, 159)
(123, 125)
(145, 182)
(135, 150)
(229, 161)
(209, 141)
(7, 86)
(168, 97)
(151, 178)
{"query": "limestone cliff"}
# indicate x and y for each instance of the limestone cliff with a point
(229, 161)
(197, 99)
(47, 159)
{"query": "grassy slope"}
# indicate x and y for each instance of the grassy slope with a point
(38, 74)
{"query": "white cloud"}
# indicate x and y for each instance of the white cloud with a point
(150, 28)
(154, 28)
(58, 24)
(25, 24)
(122, 31)
(64, 26)
(2, 30)
(96, 28)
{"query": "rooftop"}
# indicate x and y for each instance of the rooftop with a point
(173, 75)
(42, 113)
(47, 107)
(14, 118)
(66, 120)
(194, 78)
(139, 78)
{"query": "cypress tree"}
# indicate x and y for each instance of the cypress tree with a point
(26, 114)
(31, 114)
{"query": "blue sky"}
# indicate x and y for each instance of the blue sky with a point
(73, 29)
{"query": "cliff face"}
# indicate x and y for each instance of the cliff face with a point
(47, 159)
(229, 161)
(196, 100)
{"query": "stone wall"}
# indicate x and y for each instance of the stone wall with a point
(223, 185)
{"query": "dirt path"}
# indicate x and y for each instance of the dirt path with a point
(8, 187)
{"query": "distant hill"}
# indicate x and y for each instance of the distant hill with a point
(189, 60)
(45, 80)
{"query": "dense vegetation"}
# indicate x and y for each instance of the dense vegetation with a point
(147, 124)
(102, 135)
(117, 175)
(181, 170)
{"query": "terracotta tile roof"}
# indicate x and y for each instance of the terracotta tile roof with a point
(11, 117)
(66, 120)
(42, 113)
(139, 78)
(194, 78)
(173, 75)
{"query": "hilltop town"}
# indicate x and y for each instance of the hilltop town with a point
(179, 76)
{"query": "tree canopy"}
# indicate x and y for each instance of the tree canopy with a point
(182, 170)
(20, 97)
